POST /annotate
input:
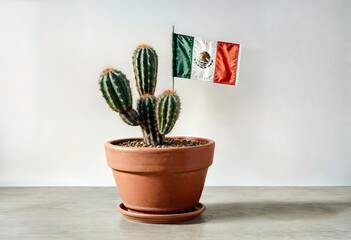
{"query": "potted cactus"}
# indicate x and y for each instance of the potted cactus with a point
(160, 179)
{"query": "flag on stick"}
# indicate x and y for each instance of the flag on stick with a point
(211, 61)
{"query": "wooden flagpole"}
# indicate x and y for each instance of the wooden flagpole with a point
(172, 58)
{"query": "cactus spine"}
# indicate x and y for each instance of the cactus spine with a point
(167, 111)
(156, 117)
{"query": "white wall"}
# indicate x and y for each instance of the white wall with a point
(286, 123)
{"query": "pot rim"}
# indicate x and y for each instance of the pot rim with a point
(111, 144)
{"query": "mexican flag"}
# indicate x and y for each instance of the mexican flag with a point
(211, 61)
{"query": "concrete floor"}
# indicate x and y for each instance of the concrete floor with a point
(232, 213)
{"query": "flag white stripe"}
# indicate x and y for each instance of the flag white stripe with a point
(203, 70)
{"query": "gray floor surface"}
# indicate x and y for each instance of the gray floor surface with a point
(232, 213)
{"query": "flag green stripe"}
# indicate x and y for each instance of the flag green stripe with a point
(182, 55)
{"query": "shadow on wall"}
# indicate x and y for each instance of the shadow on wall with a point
(222, 212)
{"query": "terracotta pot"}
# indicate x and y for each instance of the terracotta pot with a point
(160, 180)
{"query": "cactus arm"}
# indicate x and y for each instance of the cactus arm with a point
(115, 88)
(131, 117)
(145, 65)
(167, 111)
(110, 95)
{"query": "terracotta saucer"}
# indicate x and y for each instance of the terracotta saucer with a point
(161, 218)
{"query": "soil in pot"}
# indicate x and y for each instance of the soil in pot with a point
(168, 143)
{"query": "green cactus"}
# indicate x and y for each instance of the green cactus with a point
(146, 107)
(145, 63)
(156, 117)
(167, 111)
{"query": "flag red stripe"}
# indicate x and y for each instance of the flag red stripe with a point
(226, 63)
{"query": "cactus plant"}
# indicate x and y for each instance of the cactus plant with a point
(156, 116)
